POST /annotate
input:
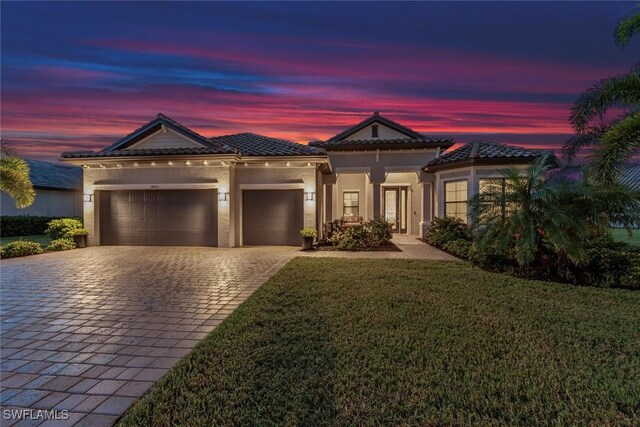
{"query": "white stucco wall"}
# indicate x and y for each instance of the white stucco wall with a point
(47, 203)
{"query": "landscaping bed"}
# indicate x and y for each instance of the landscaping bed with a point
(387, 247)
(409, 342)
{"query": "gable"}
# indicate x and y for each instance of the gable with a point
(384, 132)
(164, 138)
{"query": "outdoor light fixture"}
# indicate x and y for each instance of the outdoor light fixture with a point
(87, 197)
(119, 165)
(102, 165)
(223, 197)
(136, 164)
(204, 162)
(246, 164)
(223, 163)
(188, 163)
(288, 164)
(153, 163)
(170, 163)
(309, 196)
(266, 163)
(85, 166)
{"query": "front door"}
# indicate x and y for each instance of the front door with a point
(395, 208)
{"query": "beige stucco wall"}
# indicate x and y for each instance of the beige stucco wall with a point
(47, 203)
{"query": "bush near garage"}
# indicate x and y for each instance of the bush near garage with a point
(23, 225)
(20, 248)
(60, 228)
(61, 245)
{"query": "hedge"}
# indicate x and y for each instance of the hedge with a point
(24, 225)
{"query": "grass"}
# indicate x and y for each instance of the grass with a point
(404, 342)
(623, 235)
(44, 240)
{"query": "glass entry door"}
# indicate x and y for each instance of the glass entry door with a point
(395, 208)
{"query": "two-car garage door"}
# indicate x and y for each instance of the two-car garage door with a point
(159, 217)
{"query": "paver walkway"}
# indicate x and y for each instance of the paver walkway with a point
(88, 331)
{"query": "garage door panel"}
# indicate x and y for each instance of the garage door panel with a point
(272, 217)
(159, 217)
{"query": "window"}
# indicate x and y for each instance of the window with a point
(492, 185)
(350, 204)
(495, 195)
(455, 199)
(374, 131)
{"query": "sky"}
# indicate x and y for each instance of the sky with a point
(80, 75)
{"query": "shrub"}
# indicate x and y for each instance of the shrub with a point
(446, 229)
(459, 248)
(333, 227)
(610, 264)
(60, 228)
(21, 248)
(380, 231)
(490, 258)
(23, 225)
(352, 238)
(78, 232)
(61, 245)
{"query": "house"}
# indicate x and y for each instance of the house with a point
(58, 191)
(164, 184)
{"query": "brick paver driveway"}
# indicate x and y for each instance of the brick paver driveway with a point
(90, 330)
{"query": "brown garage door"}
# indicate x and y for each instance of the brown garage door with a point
(272, 217)
(160, 217)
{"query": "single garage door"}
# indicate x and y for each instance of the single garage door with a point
(272, 217)
(159, 217)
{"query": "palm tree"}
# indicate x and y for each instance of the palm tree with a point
(526, 214)
(617, 140)
(14, 177)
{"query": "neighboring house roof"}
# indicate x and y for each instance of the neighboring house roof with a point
(54, 176)
(631, 177)
(413, 139)
(251, 144)
(485, 153)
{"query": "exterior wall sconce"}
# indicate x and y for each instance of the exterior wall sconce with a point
(309, 196)
(87, 197)
(223, 197)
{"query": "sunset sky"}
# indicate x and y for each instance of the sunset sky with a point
(80, 75)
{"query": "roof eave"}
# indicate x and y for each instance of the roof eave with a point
(505, 161)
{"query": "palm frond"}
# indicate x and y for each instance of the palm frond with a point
(619, 91)
(626, 29)
(615, 147)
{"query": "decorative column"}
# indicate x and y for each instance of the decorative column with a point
(376, 200)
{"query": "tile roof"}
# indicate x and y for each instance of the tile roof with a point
(53, 175)
(484, 152)
(178, 151)
(376, 117)
(631, 177)
(251, 144)
(397, 143)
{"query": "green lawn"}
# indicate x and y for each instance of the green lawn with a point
(623, 235)
(402, 342)
(42, 239)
